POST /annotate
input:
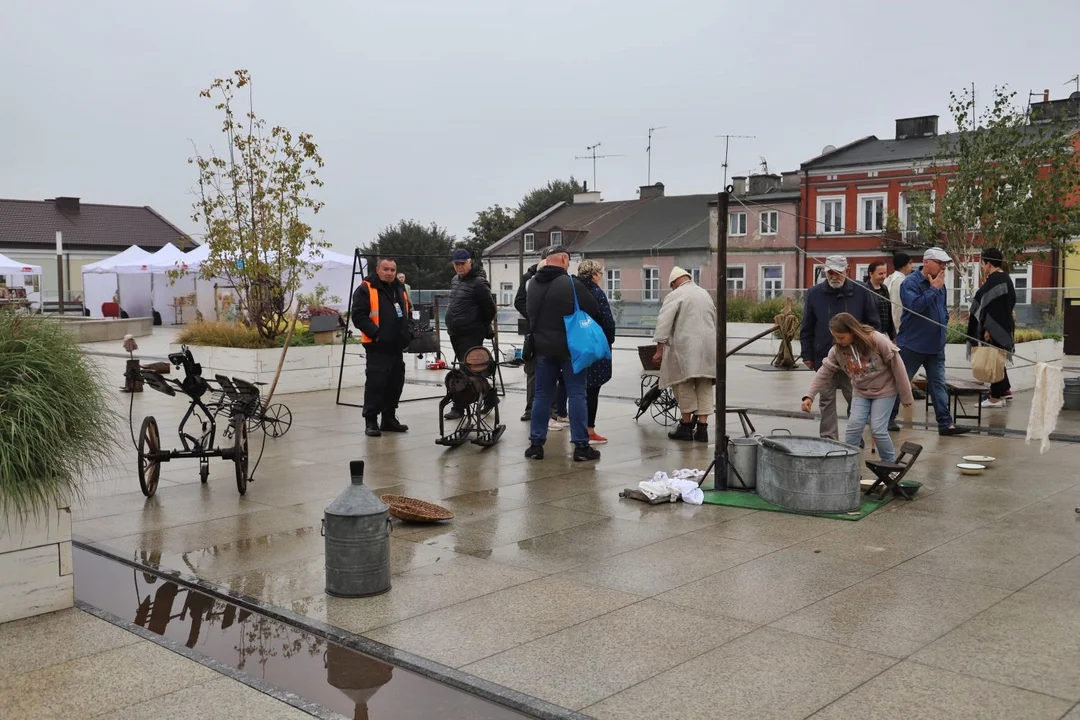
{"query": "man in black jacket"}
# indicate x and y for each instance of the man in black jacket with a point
(471, 311)
(836, 294)
(382, 312)
(550, 298)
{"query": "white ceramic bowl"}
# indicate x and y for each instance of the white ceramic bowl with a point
(979, 459)
(971, 468)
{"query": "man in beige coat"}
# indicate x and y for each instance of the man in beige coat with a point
(686, 350)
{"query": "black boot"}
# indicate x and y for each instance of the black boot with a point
(701, 432)
(685, 431)
(454, 414)
(372, 429)
(390, 424)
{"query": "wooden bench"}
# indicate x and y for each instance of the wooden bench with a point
(957, 389)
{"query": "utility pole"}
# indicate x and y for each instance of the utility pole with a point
(727, 142)
(648, 151)
(719, 465)
(594, 157)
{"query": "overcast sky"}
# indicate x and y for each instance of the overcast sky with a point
(435, 109)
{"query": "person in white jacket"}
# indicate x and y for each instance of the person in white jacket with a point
(901, 269)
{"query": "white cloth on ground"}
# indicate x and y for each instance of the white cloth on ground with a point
(677, 485)
(1046, 404)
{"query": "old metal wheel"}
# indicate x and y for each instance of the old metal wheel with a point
(664, 409)
(149, 464)
(276, 420)
(240, 453)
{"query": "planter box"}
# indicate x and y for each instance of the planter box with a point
(306, 369)
(35, 565)
(89, 330)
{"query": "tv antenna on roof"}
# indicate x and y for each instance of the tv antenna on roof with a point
(594, 157)
(727, 142)
(648, 151)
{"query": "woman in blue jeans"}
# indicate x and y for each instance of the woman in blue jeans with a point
(878, 377)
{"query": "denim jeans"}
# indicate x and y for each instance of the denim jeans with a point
(560, 400)
(547, 376)
(877, 411)
(935, 380)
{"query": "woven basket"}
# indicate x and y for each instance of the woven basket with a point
(645, 353)
(412, 510)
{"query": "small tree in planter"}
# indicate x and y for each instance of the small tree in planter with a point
(254, 201)
(55, 426)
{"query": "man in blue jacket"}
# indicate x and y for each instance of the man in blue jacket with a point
(922, 333)
(836, 294)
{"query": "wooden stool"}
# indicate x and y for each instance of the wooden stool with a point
(889, 474)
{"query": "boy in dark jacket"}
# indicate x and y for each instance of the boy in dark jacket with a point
(836, 294)
(382, 313)
(550, 298)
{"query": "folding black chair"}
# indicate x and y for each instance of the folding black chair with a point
(889, 474)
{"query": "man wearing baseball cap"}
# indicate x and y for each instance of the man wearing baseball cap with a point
(836, 294)
(471, 310)
(922, 333)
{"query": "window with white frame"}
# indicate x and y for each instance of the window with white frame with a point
(968, 274)
(506, 293)
(872, 213)
(530, 242)
(772, 281)
(1021, 277)
(736, 278)
(651, 291)
(613, 282)
(695, 274)
(831, 215)
(737, 224)
(556, 237)
(861, 271)
(819, 274)
(769, 222)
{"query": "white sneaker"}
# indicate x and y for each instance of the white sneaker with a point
(988, 403)
(555, 425)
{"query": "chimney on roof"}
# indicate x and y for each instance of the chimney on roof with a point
(761, 184)
(67, 205)
(587, 198)
(916, 127)
(789, 180)
(647, 192)
(738, 182)
(1046, 95)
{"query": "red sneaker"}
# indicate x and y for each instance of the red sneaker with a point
(595, 439)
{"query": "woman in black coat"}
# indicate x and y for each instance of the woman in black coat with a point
(591, 273)
(991, 317)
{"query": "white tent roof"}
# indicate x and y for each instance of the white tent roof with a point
(195, 258)
(168, 258)
(132, 261)
(329, 259)
(13, 267)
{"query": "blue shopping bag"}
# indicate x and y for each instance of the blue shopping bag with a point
(584, 337)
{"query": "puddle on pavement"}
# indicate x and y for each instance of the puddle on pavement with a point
(338, 678)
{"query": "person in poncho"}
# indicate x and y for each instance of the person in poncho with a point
(991, 317)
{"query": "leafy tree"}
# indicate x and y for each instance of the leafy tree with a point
(540, 199)
(254, 200)
(422, 252)
(1006, 183)
(490, 226)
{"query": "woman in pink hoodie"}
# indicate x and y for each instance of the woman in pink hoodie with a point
(877, 375)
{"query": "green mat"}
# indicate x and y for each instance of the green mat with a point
(752, 501)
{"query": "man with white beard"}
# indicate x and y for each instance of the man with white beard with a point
(834, 295)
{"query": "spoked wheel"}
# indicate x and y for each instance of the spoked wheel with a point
(240, 453)
(664, 409)
(149, 447)
(276, 420)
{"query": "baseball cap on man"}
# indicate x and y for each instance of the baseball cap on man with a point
(836, 263)
(460, 255)
(937, 254)
(553, 250)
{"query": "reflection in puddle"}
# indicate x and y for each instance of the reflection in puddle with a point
(322, 672)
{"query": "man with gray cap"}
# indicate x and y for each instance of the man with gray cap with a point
(834, 295)
(922, 333)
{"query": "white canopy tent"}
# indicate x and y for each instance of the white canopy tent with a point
(126, 274)
(14, 267)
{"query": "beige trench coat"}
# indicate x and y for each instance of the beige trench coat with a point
(687, 326)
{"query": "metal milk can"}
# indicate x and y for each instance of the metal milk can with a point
(357, 531)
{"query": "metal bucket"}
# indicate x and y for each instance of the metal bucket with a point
(1072, 394)
(743, 455)
(809, 474)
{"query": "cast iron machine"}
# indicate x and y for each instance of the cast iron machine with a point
(470, 385)
(236, 410)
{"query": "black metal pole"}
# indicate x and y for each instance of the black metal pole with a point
(720, 459)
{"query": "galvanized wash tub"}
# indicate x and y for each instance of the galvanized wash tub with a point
(809, 474)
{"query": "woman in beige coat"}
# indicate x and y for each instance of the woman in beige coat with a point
(686, 350)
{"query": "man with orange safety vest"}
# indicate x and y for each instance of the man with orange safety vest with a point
(383, 314)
